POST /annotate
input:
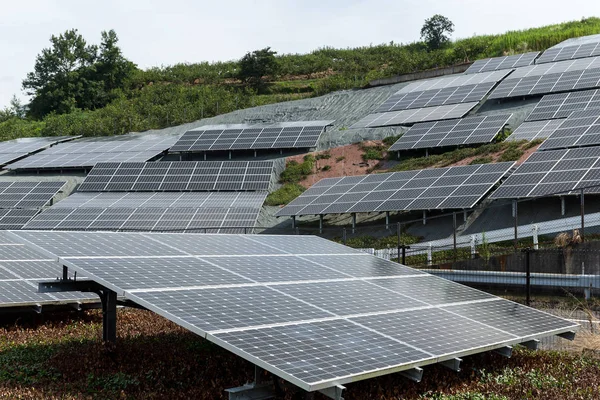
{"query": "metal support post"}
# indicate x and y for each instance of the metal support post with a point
(563, 207)
(454, 235)
(535, 230)
(473, 247)
(430, 255)
(582, 216)
(426, 153)
(424, 217)
(256, 390)
(453, 364)
(532, 344)
(399, 234)
(334, 392)
(464, 215)
(505, 351)
(293, 222)
(204, 156)
(109, 316)
(230, 154)
(516, 215)
(254, 153)
(344, 236)
(353, 222)
(414, 374)
(398, 155)
(527, 277)
(387, 220)
(404, 254)
(320, 224)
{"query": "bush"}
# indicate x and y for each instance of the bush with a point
(326, 168)
(284, 194)
(295, 172)
(511, 154)
(323, 156)
(481, 160)
(339, 159)
(390, 140)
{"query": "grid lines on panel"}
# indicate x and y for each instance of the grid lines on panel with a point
(409, 117)
(563, 76)
(553, 171)
(11, 150)
(561, 105)
(27, 194)
(570, 52)
(271, 136)
(179, 176)
(451, 133)
(439, 188)
(581, 128)
(535, 130)
(499, 63)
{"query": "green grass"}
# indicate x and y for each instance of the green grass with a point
(481, 160)
(295, 172)
(361, 242)
(284, 194)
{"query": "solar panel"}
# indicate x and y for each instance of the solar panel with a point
(535, 130)
(216, 212)
(87, 152)
(561, 105)
(582, 50)
(581, 128)
(282, 135)
(179, 176)
(409, 117)
(16, 218)
(347, 325)
(24, 194)
(499, 63)
(440, 188)
(479, 129)
(444, 91)
(578, 40)
(14, 149)
(561, 76)
(550, 172)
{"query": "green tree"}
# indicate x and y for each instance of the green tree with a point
(256, 65)
(434, 31)
(74, 75)
(15, 110)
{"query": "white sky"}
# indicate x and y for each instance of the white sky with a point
(154, 33)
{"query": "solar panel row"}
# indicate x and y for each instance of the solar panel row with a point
(561, 105)
(550, 172)
(451, 132)
(11, 150)
(391, 316)
(439, 188)
(535, 130)
(499, 63)
(454, 81)
(179, 176)
(578, 41)
(408, 117)
(581, 128)
(570, 52)
(23, 194)
(272, 136)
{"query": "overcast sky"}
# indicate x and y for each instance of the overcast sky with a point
(154, 33)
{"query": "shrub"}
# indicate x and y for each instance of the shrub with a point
(284, 194)
(326, 168)
(339, 159)
(481, 160)
(295, 172)
(511, 154)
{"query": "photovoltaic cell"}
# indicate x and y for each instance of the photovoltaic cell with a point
(561, 105)
(314, 332)
(12, 150)
(499, 63)
(562, 76)
(535, 130)
(440, 188)
(282, 135)
(27, 194)
(553, 171)
(179, 176)
(480, 129)
(578, 41)
(409, 117)
(582, 50)
(581, 128)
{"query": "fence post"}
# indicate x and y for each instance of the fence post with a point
(429, 255)
(535, 237)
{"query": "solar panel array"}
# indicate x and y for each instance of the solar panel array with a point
(20, 270)
(16, 218)
(561, 76)
(14, 149)
(24, 194)
(444, 91)
(561, 105)
(480, 129)
(85, 153)
(570, 52)
(581, 128)
(500, 63)
(578, 41)
(408, 117)
(535, 130)
(439, 188)
(311, 311)
(283, 135)
(550, 172)
(215, 212)
(179, 176)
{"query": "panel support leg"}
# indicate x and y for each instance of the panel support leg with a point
(414, 374)
(464, 215)
(320, 224)
(334, 392)
(562, 205)
(505, 351)
(109, 316)
(424, 217)
(230, 154)
(256, 390)
(387, 220)
(293, 222)
(453, 364)
(353, 222)
(531, 344)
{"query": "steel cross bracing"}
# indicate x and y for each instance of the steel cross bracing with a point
(308, 310)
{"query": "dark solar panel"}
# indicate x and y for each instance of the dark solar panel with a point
(561, 105)
(581, 128)
(14, 149)
(451, 132)
(27, 194)
(499, 63)
(535, 130)
(179, 176)
(440, 188)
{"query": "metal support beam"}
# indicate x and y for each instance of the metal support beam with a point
(414, 374)
(505, 351)
(334, 392)
(320, 223)
(353, 222)
(387, 220)
(582, 195)
(230, 154)
(256, 390)
(293, 222)
(109, 316)
(204, 156)
(568, 335)
(533, 344)
(453, 364)
(424, 217)
(516, 216)
(563, 206)
(464, 215)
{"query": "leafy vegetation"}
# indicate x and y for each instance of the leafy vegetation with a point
(366, 241)
(436, 30)
(482, 160)
(284, 194)
(294, 172)
(256, 65)
(88, 101)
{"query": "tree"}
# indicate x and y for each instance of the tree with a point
(15, 110)
(256, 65)
(434, 31)
(74, 75)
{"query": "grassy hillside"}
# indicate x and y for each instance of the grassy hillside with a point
(168, 96)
